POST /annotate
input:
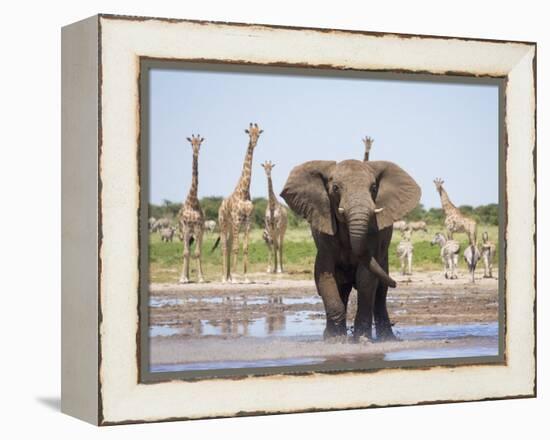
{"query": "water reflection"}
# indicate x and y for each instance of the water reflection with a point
(239, 301)
(307, 325)
(275, 323)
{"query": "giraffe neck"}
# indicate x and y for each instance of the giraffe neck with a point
(366, 158)
(272, 199)
(243, 187)
(192, 198)
(446, 202)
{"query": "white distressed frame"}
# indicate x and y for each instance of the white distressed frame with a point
(122, 41)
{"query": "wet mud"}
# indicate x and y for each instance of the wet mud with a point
(280, 322)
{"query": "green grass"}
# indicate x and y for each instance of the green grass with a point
(299, 253)
(166, 258)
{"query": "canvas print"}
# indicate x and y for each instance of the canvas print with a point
(304, 221)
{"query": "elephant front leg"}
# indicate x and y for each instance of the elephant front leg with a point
(334, 306)
(382, 321)
(366, 284)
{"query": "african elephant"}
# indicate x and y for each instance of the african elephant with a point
(351, 207)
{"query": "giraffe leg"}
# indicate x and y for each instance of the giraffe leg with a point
(245, 250)
(198, 251)
(275, 253)
(410, 263)
(232, 262)
(269, 258)
(224, 239)
(281, 240)
(184, 278)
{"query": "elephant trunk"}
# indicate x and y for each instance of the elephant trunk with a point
(359, 223)
(376, 269)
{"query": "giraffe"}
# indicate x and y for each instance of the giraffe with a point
(455, 221)
(191, 217)
(235, 213)
(275, 224)
(368, 144)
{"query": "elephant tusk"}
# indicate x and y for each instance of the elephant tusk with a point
(341, 210)
(378, 210)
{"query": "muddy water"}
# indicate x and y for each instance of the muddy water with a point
(239, 319)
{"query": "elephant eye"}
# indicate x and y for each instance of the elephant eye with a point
(374, 189)
(335, 188)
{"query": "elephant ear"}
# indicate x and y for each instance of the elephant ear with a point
(398, 193)
(305, 192)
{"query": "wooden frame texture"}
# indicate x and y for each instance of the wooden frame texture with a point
(101, 58)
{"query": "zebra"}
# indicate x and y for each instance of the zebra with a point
(160, 224)
(488, 251)
(401, 225)
(449, 254)
(405, 252)
(210, 225)
(472, 257)
(167, 234)
(418, 226)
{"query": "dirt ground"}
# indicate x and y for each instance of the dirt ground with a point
(276, 318)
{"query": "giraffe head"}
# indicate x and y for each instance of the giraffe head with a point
(254, 133)
(439, 184)
(368, 143)
(268, 166)
(196, 142)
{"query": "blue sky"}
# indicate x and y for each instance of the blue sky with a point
(430, 129)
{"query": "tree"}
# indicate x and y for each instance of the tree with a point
(418, 213)
(210, 206)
